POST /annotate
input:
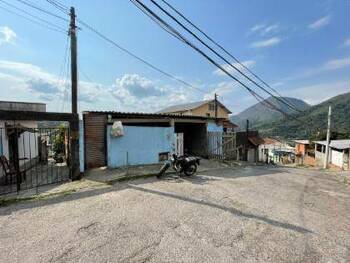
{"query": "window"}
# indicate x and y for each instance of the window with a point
(212, 106)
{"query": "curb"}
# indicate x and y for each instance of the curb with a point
(140, 176)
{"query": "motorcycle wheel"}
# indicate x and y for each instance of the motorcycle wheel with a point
(190, 170)
(163, 169)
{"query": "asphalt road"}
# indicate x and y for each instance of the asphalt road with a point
(252, 214)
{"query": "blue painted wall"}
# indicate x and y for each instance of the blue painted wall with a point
(81, 146)
(143, 145)
(213, 127)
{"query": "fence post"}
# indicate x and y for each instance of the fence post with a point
(16, 159)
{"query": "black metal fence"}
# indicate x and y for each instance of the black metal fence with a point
(33, 157)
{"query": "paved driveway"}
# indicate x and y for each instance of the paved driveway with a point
(252, 214)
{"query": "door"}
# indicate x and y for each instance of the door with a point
(179, 144)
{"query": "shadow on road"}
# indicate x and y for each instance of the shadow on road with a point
(232, 210)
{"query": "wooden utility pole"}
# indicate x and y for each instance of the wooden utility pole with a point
(328, 138)
(74, 123)
(216, 105)
(73, 52)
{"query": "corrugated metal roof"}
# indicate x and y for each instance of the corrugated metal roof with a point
(256, 140)
(270, 141)
(189, 106)
(337, 144)
(149, 115)
(302, 141)
(184, 107)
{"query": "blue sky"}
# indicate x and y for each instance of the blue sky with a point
(302, 48)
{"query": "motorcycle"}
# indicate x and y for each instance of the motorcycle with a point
(181, 164)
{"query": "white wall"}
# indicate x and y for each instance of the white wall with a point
(4, 139)
(27, 142)
(336, 158)
(270, 148)
(27, 147)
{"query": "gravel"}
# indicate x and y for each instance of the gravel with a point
(245, 214)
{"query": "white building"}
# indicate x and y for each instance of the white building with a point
(338, 153)
(27, 141)
(272, 150)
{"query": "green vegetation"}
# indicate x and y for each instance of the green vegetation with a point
(58, 143)
(259, 114)
(312, 123)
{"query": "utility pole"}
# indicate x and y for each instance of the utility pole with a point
(328, 137)
(74, 123)
(216, 105)
(73, 52)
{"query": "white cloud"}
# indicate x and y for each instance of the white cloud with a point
(26, 70)
(336, 64)
(328, 66)
(7, 35)
(257, 27)
(137, 86)
(323, 21)
(221, 89)
(347, 42)
(130, 92)
(270, 29)
(266, 43)
(277, 84)
(317, 93)
(264, 29)
(228, 68)
(137, 93)
(34, 83)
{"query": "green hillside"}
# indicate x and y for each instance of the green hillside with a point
(313, 120)
(259, 113)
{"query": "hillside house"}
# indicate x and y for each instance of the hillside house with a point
(272, 150)
(205, 108)
(339, 153)
(303, 154)
(301, 147)
(147, 138)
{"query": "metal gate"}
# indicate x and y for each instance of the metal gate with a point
(179, 144)
(33, 157)
(221, 145)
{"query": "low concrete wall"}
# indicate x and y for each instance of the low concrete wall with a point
(141, 144)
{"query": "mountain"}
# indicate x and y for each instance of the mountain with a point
(259, 114)
(313, 120)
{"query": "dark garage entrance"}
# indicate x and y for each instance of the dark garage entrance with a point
(195, 140)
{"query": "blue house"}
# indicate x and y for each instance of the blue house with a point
(147, 138)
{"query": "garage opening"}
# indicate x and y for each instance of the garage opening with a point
(194, 137)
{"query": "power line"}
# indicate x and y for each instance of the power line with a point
(31, 20)
(146, 10)
(42, 10)
(216, 53)
(137, 57)
(66, 89)
(62, 68)
(60, 6)
(33, 16)
(149, 12)
(94, 30)
(227, 52)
